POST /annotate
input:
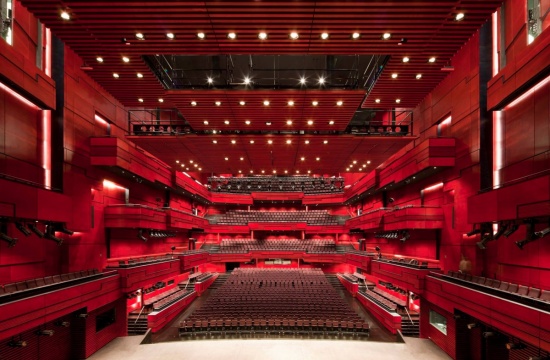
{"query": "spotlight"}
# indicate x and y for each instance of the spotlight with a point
(473, 232)
(488, 334)
(50, 235)
(19, 343)
(11, 241)
(405, 236)
(64, 230)
(23, 229)
(472, 326)
(45, 332)
(515, 346)
(140, 235)
(483, 243)
(501, 229)
(82, 316)
(542, 233)
(511, 230)
(35, 230)
(62, 323)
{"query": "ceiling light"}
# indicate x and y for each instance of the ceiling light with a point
(226, 159)
(317, 158)
(289, 141)
(187, 169)
(252, 141)
(218, 103)
(116, 76)
(274, 171)
(214, 132)
(406, 59)
(246, 80)
(294, 35)
(240, 172)
(286, 171)
(394, 76)
(205, 122)
(302, 81)
(139, 75)
(347, 169)
(377, 101)
(459, 16)
(331, 122)
(355, 35)
(191, 161)
(193, 103)
(303, 158)
(368, 162)
(247, 122)
(339, 103)
(290, 103)
(310, 122)
(242, 103)
(350, 165)
(170, 36)
(386, 36)
(355, 161)
(289, 122)
(125, 59)
(214, 141)
(99, 59)
(270, 142)
(321, 80)
(200, 169)
(268, 123)
(314, 103)
(262, 36)
(177, 161)
(306, 142)
(234, 142)
(324, 36)
(210, 80)
(140, 36)
(232, 36)
(241, 158)
(418, 76)
(226, 122)
(251, 171)
(309, 171)
(432, 59)
(140, 100)
(398, 100)
(65, 15)
(266, 102)
(201, 35)
(325, 142)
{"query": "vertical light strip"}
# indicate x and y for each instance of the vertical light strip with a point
(47, 116)
(495, 42)
(48, 63)
(498, 151)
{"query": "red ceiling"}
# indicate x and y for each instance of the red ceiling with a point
(97, 27)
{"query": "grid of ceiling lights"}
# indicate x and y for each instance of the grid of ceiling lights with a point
(191, 166)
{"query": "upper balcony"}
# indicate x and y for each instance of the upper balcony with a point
(399, 218)
(135, 216)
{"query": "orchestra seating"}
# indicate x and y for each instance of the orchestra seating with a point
(312, 217)
(519, 293)
(247, 245)
(276, 301)
(305, 184)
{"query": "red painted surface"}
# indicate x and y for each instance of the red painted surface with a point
(445, 342)
(390, 321)
(136, 277)
(158, 319)
(202, 286)
(404, 277)
(351, 287)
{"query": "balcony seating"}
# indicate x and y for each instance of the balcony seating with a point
(167, 298)
(514, 292)
(313, 217)
(409, 262)
(275, 301)
(305, 184)
(239, 246)
(21, 289)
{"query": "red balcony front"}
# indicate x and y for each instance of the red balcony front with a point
(135, 216)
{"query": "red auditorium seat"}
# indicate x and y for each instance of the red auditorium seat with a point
(522, 290)
(40, 282)
(10, 288)
(513, 288)
(21, 286)
(504, 285)
(2, 290)
(545, 295)
(31, 284)
(534, 293)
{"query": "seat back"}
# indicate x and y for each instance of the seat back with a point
(504, 285)
(523, 290)
(533, 293)
(545, 295)
(513, 288)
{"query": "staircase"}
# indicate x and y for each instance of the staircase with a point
(211, 248)
(409, 328)
(222, 277)
(139, 327)
(336, 284)
(341, 249)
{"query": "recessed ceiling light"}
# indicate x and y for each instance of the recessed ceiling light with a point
(418, 76)
(321, 80)
(368, 162)
(355, 161)
(398, 100)
(65, 15)
(140, 100)
(246, 80)
(214, 141)
(200, 169)
(262, 36)
(266, 102)
(290, 103)
(386, 36)
(306, 142)
(196, 165)
(240, 172)
(116, 76)
(309, 171)
(242, 103)
(140, 36)
(201, 35)
(303, 158)
(125, 59)
(233, 142)
(226, 159)
(191, 161)
(268, 123)
(350, 165)
(242, 160)
(432, 59)
(251, 171)
(210, 80)
(263, 171)
(193, 103)
(232, 36)
(294, 35)
(270, 142)
(459, 16)
(302, 81)
(331, 122)
(339, 103)
(377, 101)
(177, 161)
(247, 122)
(324, 36)
(347, 169)
(325, 142)
(289, 141)
(252, 141)
(274, 171)
(218, 103)
(187, 169)
(317, 158)
(289, 122)
(394, 76)
(310, 122)
(315, 103)
(226, 122)
(406, 59)
(99, 59)
(170, 36)
(139, 75)
(286, 171)
(297, 171)
(205, 122)
(355, 35)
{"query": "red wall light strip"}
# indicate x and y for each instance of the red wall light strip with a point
(21, 98)
(433, 187)
(528, 93)
(495, 43)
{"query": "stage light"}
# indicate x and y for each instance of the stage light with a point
(488, 334)
(19, 343)
(23, 229)
(35, 230)
(472, 326)
(62, 324)
(473, 232)
(50, 235)
(501, 229)
(542, 233)
(511, 230)
(515, 346)
(11, 241)
(64, 230)
(140, 235)
(45, 332)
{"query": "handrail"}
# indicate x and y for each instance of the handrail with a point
(409, 315)
(143, 307)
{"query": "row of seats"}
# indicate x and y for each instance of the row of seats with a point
(170, 299)
(379, 300)
(203, 277)
(48, 280)
(150, 301)
(521, 290)
(393, 299)
(247, 245)
(305, 184)
(314, 217)
(140, 261)
(410, 262)
(275, 300)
